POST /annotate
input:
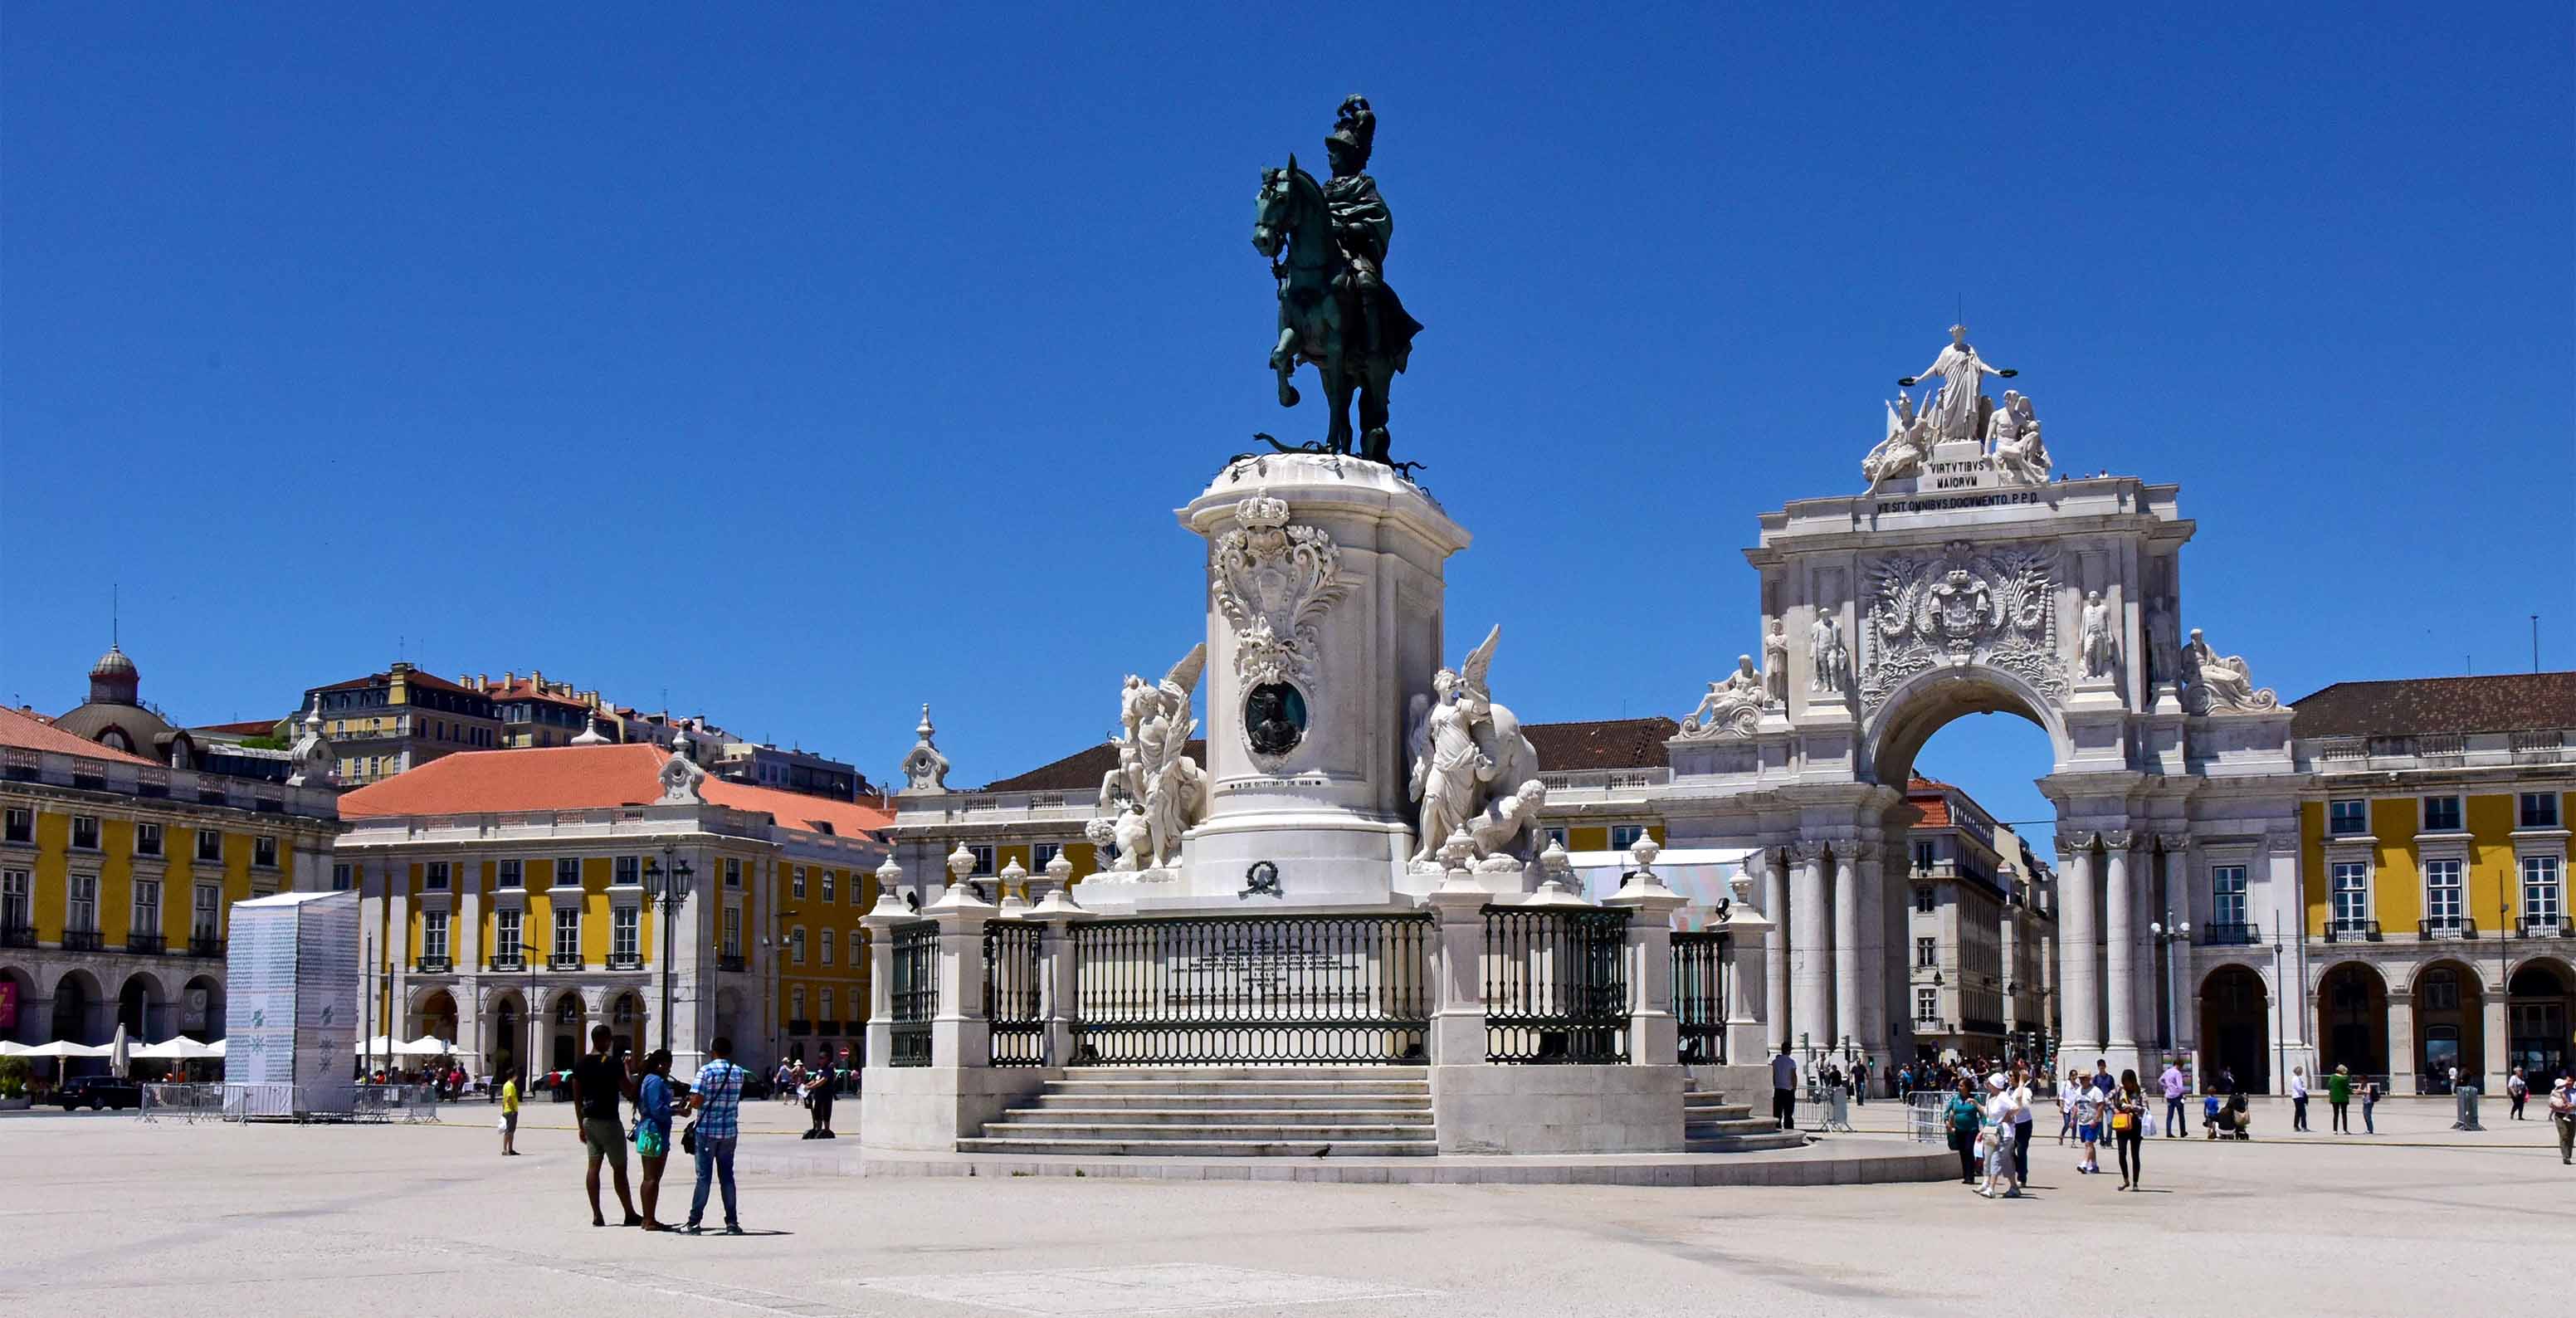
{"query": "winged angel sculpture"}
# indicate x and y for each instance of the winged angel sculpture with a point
(1994, 607)
(1474, 770)
(1156, 793)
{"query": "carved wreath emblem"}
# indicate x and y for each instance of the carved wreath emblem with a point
(1273, 581)
(1996, 607)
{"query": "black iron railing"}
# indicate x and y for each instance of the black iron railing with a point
(800, 1027)
(916, 991)
(1699, 996)
(2545, 928)
(2352, 931)
(1014, 1006)
(626, 961)
(17, 935)
(2230, 935)
(564, 961)
(82, 940)
(1555, 985)
(2447, 927)
(729, 961)
(205, 945)
(432, 965)
(509, 961)
(147, 944)
(1348, 989)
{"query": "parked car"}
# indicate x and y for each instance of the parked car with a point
(99, 1091)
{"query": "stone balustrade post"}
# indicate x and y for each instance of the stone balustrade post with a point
(880, 922)
(1457, 961)
(1654, 1034)
(1062, 964)
(960, 1036)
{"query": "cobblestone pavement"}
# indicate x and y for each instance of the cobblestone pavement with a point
(108, 1214)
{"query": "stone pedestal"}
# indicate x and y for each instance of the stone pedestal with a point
(1324, 618)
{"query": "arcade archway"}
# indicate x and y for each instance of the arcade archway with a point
(2449, 1025)
(2236, 1029)
(2352, 1020)
(2537, 1011)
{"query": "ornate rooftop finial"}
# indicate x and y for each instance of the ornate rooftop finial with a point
(590, 734)
(315, 765)
(681, 775)
(925, 770)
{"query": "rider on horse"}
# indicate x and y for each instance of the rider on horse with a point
(1362, 226)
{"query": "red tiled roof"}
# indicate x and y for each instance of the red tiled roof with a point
(417, 677)
(584, 778)
(523, 689)
(250, 728)
(27, 732)
(2507, 702)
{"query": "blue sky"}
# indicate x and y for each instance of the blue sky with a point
(816, 362)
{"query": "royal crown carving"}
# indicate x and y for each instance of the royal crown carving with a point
(1995, 607)
(1273, 581)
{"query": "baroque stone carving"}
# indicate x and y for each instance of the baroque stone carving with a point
(1958, 410)
(1466, 752)
(1906, 448)
(311, 755)
(925, 770)
(1994, 607)
(681, 775)
(2221, 684)
(1732, 708)
(1156, 793)
(1273, 582)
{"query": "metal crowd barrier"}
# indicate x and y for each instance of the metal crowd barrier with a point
(189, 1103)
(1923, 1122)
(408, 1104)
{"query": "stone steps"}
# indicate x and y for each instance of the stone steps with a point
(1050, 1115)
(1774, 1138)
(1221, 1112)
(1710, 1124)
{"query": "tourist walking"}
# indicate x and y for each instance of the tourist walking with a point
(818, 1101)
(2339, 1098)
(716, 1101)
(2128, 1130)
(2370, 1092)
(598, 1081)
(1998, 1139)
(2174, 1086)
(2516, 1091)
(2024, 1099)
(2088, 1126)
(2066, 1106)
(2298, 1098)
(1784, 1089)
(653, 1130)
(1963, 1117)
(510, 1117)
(2562, 1112)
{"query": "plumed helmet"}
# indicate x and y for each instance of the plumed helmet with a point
(1354, 129)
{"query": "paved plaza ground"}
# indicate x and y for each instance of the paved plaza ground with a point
(106, 1214)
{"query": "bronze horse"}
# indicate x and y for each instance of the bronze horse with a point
(1320, 319)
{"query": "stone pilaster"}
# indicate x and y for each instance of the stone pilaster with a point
(2079, 930)
(1811, 986)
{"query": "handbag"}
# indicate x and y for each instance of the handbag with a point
(689, 1138)
(2121, 1120)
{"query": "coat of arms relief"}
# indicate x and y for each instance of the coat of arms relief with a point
(1273, 581)
(1996, 606)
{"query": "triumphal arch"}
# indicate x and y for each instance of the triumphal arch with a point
(1965, 577)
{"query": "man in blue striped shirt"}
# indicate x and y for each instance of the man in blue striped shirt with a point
(716, 1100)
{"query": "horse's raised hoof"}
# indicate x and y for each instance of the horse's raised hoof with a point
(1287, 395)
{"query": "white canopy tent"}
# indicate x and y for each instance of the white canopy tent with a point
(427, 1045)
(181, 1049)
(60, 1048)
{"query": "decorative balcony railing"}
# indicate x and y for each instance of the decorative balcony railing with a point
(434, 965)
(206, 946)
(83, 940)
(2352, 931)
(2448, 927)
(2230, 935)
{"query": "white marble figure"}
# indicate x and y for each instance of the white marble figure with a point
(2018, 457)
(1464, 746)
(1506, 832)
(1954, 412)
(1775, 662)
(314, 763)
(2163, 665)
(1732, 707)
(681, 775)
(2222, 683)
(925, 770)
(1906, 448)
(1155, 793)
(1827, 653)
(2100, 651)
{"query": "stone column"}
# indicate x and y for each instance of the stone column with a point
(1877, 971)
(2010, 936)
(2497, 1063)
(880, 921)
(2120, 954)
(1458, 996)
(2080, 988)
(1849, 983)
(1751, 1032)
(2401, 1042)
(1810, 977)
(1774, 961)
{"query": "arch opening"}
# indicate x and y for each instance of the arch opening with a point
(2352, 1020)
(2236, 1029)
(2450, 1033)
(2537, 1010)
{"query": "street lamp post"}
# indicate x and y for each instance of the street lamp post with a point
(2174, 935)
(669, 886)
